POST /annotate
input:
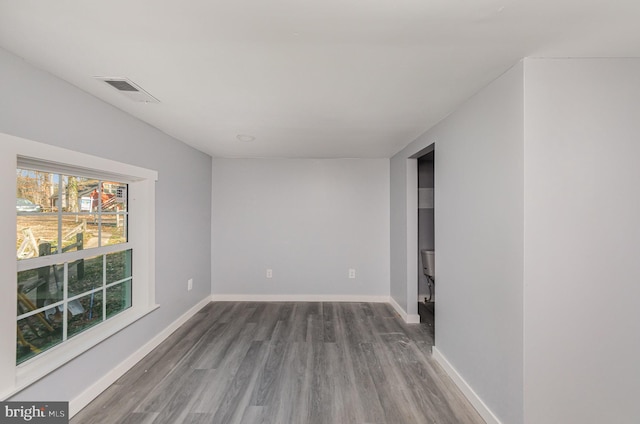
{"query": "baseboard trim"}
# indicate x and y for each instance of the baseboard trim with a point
(82, 400)
(408, 318)
(465, 388)
(298, 298)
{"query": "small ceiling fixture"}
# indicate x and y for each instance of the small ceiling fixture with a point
(245, 137)
(129, 89)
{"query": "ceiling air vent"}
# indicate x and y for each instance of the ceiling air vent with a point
(129, 89)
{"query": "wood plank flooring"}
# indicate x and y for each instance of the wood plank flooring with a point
(287, 363)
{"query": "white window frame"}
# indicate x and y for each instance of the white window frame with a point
(16, 152)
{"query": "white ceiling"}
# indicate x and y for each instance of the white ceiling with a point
(324, 78)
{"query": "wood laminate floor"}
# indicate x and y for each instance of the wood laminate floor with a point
(287, 363)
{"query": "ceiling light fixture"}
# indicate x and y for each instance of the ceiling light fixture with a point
(245, 137)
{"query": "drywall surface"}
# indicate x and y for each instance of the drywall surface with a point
(479, 240)
(398, 237)
(38, 106)
(582, 319)
(309, 220)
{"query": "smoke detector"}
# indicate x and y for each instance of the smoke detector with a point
(245, 137)
(129, 89)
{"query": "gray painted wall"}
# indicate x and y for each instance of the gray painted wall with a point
(479, 240)
(582, 324)
(38, 106)
(398, 238)
(309, 220)
(580, 275)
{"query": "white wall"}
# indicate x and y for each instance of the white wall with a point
(37, 106)
(479, 241)
(309, 220)
(398, 238)
(582, 210)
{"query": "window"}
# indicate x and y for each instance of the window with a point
(63, 294)
(83, 238)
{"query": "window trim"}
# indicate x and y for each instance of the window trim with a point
(17, 152)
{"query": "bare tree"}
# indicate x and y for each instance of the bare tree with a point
(72, 191)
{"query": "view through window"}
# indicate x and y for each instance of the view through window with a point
(74, 263)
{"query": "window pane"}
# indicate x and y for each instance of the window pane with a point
(34, 335)
(39, 287)
(78, 232)
(118, 266)
(114, 228)
(85, 275)
(114, 196)
(118, 298)
(36, 191)
(73, 190)
(87, 194)
(84, 313)
(37, 235)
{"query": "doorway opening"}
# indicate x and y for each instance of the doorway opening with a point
(426, 238)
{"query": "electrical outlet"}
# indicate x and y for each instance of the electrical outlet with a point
(352, 273)
(269, 273)
(189, 284)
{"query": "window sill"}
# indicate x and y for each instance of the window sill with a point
(36, 368)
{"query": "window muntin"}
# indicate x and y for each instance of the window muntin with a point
(66, 218)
